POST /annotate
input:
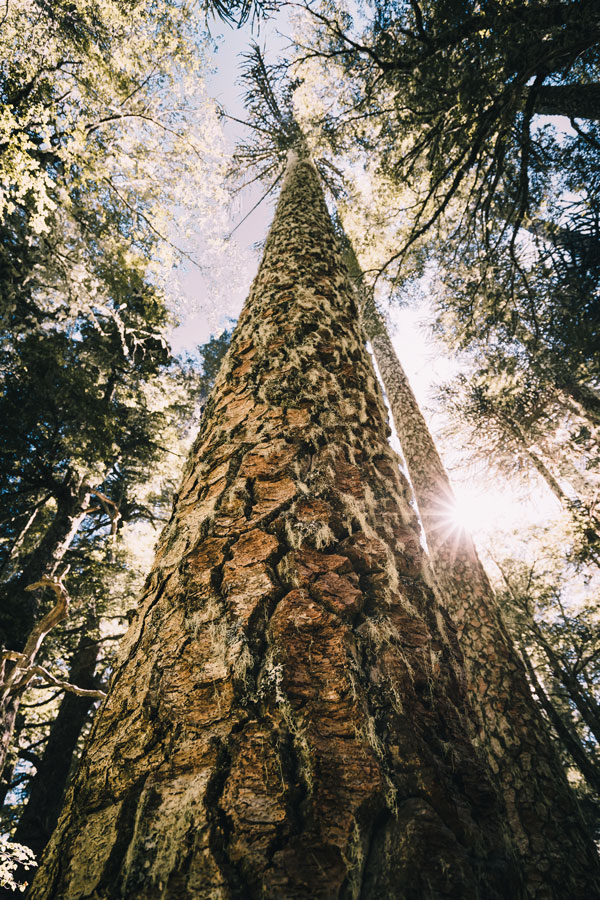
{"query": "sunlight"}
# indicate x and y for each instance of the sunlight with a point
(483, 511)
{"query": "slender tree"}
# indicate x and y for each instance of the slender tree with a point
(47, 787)
(513, 735)
(289, 716)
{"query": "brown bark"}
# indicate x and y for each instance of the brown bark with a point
(557, 852)
(289, 719)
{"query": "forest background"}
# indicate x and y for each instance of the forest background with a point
(118, 260)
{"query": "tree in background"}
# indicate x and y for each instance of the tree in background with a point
(440, 102)
(554, 621)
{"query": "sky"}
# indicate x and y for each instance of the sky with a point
(485, 505)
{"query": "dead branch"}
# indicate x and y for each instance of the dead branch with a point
(49, 678)
(16, 679)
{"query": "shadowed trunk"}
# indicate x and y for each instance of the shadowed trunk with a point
(19, 606)
(567, 733)
(586, 399)
(557, 852)
(289, 716)
(48, 785)
(576, 101)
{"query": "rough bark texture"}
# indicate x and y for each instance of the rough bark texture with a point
(557, 852)
(48, 785)
(289, 720)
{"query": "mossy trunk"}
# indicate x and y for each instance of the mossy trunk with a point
(557, 852)
(289, 717)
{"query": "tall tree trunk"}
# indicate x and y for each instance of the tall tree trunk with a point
(587, 524)
(586, 705)
(48, 785)
(556, 850)
(289, 718)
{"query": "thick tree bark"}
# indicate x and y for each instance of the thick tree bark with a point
(557, 853)
(577, 101)
(48, 785)
(289, 719)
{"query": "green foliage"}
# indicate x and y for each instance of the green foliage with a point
(111, 151)
(553, 614)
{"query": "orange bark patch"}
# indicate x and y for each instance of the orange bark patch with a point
(215, 489)
(411, 631)
(366, 554)
(246, 579)
(254, 797)
(237, 410)
(311, 510)
(270, 495)
(254, 546)
(339, 592)
(207, 555)
(409, 552)
(247, 590)
(298, 418)
(309, 563)
(348, 478)
(268, 460)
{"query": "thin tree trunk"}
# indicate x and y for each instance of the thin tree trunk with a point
(48, 785)
(583, 519)
(546, 475)
(556, 850)
(19, 606)
(586, 705)
(576, 101)
(586, 399)
(289, 718)
(566, 735)
(6, 566)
